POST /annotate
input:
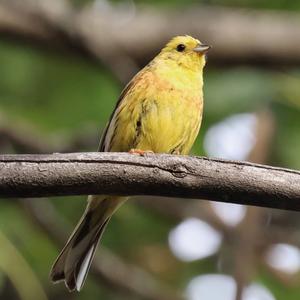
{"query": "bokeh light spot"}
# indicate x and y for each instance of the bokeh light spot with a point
(284, 257)
(233, 138)
(194, 239)
(230, 214)
(212, 287)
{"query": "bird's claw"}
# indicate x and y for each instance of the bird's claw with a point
(140, 152)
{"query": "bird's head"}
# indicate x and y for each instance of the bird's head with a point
(186, 51)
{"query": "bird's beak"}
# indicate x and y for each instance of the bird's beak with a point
(201, 48)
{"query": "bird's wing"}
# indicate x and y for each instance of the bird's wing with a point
(123, 94)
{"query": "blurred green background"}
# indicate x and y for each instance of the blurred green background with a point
(52, 101)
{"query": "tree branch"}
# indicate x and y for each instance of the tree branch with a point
(164, 175)
(119, 37)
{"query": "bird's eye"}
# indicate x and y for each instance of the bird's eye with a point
(180, 47)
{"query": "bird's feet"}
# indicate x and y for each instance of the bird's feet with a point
(140, 152)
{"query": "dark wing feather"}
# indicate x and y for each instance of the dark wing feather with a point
(121, 97)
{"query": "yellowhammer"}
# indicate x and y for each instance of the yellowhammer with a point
(160, 110)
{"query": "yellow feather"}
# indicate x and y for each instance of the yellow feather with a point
(161, 110)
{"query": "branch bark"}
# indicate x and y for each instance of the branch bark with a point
(164, 175)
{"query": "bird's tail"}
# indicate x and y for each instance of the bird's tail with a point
(73, 263)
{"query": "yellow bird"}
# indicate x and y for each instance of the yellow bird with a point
(160, 110)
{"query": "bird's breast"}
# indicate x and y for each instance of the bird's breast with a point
(158, 113)
(171, 117)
